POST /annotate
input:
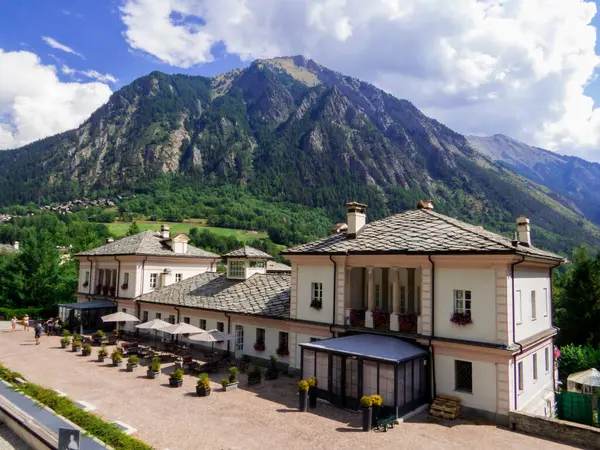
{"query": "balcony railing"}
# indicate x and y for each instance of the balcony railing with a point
(106, 290)
(357, 317)
(380, 319)
(407, 323)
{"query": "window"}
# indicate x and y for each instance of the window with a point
(178, 277)
(237, 269)
(283, 341)
(533, 306)
(172, 319)
(258, 264)
(126, 279)
(518, 308)
(463, 374)
(158, 316)
(316, 300)
(153, 280)
(86, 277)
(462, 301)
(535, 369)
(114, 278)
(378, 295)
(260, 335)
(547, 359)
(220, 326)
(124, 310)
(403, 308)
(101, 276)
(203, 324)
(546, 306)
(186, 320)
(145, 316)
(239, 338)
(520, 369)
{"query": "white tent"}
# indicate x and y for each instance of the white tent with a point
(585, 381)
(156, 325)
(119, 317)
(212, 336)
(182, 328)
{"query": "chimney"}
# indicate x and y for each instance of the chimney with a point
(524, 231)
(108, 240)
(357, 218)
(425, 204)
(165, 231)
(16, 245)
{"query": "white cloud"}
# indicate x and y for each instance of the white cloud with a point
(92, 74)
(34, 103)
(516, 67)
(57, 45)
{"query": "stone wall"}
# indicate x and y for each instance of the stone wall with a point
(556, 430)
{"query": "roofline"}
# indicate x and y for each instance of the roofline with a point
(84, 255)
(212, 309)
(422, 253)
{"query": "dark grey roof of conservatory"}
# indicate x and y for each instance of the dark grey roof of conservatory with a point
(93, 304)
(371, 346)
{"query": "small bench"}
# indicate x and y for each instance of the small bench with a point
(385, 422)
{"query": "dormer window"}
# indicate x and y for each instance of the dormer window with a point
(237, 269)
(258, 264)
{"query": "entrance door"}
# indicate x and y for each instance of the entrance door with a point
(239, 341)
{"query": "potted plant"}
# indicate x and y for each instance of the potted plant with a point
(312, 392)
(272, 372)
(303, 395)
(259, 347)
(66, 333)
(203, 385)
(76, 345)
(102, 353)
(86, 350)
(65, 341)
(230, 382)
(154, 369)
(117, 358)
(367, 413)
(77, 337)
(461, 318)
(283, 351)
(254, 374)
(376, 403)
(176, 378)
(132, 362)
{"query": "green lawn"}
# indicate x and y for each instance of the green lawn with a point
(120, 229)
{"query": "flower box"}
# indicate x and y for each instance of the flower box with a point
(124, 286)
(381, 319)
(407, 323)
(283, 351)
(461, 319)
(316, 304)
(259, 347)
(357, 317)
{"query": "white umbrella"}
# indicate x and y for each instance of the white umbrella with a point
(212, 336)
(156, 325)
(182, 328)
(120, 317)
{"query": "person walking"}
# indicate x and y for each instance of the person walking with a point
(26, 322)
(13, 322)
(38, 333)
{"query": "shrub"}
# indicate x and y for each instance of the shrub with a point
(116, 356)
(65, 340)
(273, 364)
(87, 349)
(133, 360)
(204, 381)
(225, 382)
(102, 352)
(366, 402)
(155, 364)
(376, 400)
(176, 375)
(9, 313)
(575, 358)
(101, 333)
(77, 337)
(302, 386)
(66, 333)
(233, 373)
(255, 371)
(76, 344)
(312, 382)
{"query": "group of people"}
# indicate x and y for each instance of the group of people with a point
(50, 326)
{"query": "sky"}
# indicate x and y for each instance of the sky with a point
(523, 68)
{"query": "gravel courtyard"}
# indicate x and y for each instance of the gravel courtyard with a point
(248, 418)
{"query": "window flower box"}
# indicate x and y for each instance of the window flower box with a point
(461, 318)
(259, 346)
(357, 317)
(407, 323)
(112, 290)
(124, 286)
(85, 284)
(381, 319)
(98, 289)
(316, 304)
(283, 351)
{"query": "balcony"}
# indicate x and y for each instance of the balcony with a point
(106, 291)
(379, 319)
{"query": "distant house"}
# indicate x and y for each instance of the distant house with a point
(8, 248)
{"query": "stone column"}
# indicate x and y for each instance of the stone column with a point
(395, 297)
(370, 299)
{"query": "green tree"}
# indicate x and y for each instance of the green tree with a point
(133, 229)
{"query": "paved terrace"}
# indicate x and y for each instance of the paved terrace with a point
(248, 418)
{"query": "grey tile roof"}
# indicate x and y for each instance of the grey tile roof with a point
(146, 243)
(261, 294)
(420, 231)
(247, 252)
(274, 266)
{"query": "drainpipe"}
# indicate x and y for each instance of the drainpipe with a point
(178, 318)
(431, 349)
(514, 329)
(91, 261)
(143, 272)
(551, 312)
(334, 294)
(228, 331)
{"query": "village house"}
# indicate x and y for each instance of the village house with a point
(411, 306)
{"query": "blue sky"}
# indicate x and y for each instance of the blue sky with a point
(516, 67)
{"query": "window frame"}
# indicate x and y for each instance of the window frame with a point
(547, 359)
(520, 379)
(261, 336)
(158, 316)
(534, 361)
(546, 304)
(459, 365)
(172, 319)
(144, 316)
(202, 324)
(533, 302)
(463, 300)
(236, 269)
(316, 294)
(178, 277)
(519, 307)
(186, 320)
(403, 303)
(221, 326)
(153, 280)
(283, 338)
(126, 278)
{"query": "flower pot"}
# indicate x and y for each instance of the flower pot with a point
(202, 392)
(101, 358)
(231, 386)
(117, 363)
(367, 419)
(152, 375)
(63, 345)
(375, 415)
(131, 367)
(254, 380)
(312, 398)
(175, 383)
(303, 396)
(76, 349)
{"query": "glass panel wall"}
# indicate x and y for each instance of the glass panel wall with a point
(386, 383)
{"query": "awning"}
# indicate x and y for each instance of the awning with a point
(371, 346)
(94, 304)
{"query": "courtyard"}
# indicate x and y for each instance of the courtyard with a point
(248, 418)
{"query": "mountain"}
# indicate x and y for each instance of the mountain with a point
(286, 129)
(572, 178)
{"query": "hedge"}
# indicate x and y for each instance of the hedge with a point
(108, 433)
(33, 313)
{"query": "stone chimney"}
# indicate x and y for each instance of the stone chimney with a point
(524, 231)
(165, 231)
(108, 240)
(425, 204)
(357, 218)
(16, 245)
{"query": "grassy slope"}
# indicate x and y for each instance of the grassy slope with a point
(120, 229)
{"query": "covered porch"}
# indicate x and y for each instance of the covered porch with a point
(349, 367)
(85, 317)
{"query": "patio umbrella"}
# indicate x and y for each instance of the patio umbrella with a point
(156, 325)
(212, 336)
(120, 317)
(182, 328)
